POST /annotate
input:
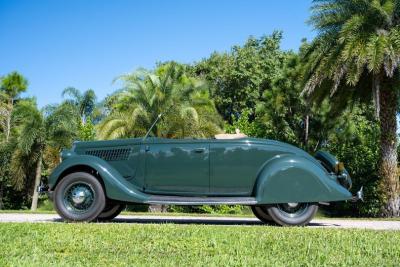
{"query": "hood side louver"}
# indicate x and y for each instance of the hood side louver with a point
(110, 154)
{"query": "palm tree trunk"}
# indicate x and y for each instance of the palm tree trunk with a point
(1, 195)
(7, 133)
(390, 184)
(8, 120)
(38, 176)
(306, 129)
(8, 126)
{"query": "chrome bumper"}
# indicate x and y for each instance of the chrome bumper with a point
(358, 196)
(43, 188)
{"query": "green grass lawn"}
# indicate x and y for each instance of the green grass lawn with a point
(24, 244)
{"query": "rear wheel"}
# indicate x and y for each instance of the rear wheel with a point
(111, 211)
(79, 197)
(261, 212)
(292, 214)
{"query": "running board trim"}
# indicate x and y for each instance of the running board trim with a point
(193, 201)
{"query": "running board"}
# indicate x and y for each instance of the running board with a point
(193, 201)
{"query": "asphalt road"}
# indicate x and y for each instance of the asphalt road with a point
(135, 219)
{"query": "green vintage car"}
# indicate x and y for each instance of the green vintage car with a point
(281, 183)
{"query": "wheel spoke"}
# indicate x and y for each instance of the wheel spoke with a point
(78, 197)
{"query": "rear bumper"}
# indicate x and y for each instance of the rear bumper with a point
(359, 195)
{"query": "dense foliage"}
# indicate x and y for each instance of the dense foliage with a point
(319, 97)
(239, 78)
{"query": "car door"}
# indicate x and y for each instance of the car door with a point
(234, 166)
(177, 167)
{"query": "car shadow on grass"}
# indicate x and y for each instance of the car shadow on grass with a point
(186, 221)
(200, 221)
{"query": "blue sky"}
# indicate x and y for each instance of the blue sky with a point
(86, 44)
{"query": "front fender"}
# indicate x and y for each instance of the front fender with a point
(116, 187)
(292, 178)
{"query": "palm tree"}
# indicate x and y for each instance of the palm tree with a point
(84, 102)
(184, 101)
(38, 130)
(356, 56)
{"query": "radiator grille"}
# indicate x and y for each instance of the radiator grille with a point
(110, 154)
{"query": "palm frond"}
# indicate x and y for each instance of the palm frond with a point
(356, 39)
(73, 93)
(183, 99)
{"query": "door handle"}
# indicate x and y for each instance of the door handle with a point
(199, 150)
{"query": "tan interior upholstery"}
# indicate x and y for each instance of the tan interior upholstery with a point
(236, 135)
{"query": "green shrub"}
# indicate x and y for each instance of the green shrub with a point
(45, 204)
(137, 207)
(210, 209)
(358, 147)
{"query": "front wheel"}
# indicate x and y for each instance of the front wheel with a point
(79, 197)
(292, 214)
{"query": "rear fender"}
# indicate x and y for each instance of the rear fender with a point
(292, 178)
(116, 187)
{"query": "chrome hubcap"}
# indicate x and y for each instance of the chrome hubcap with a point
(293, 209)
(292, 204)
(79, 197)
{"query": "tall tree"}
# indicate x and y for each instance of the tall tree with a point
(239, 78)
(84, 102)
(356, 56)
(283, 114)
(184, 101)
(11, 86)
(38, 130)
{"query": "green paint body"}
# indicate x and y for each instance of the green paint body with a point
(132, 170)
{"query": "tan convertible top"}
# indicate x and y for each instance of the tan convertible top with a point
(236, 135)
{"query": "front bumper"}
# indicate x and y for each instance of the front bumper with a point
(43, 188)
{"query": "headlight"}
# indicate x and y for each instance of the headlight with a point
(65, 154)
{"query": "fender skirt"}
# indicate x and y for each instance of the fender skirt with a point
(293, 178)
